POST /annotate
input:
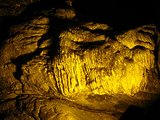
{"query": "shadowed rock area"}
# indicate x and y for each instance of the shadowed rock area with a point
(79, 60)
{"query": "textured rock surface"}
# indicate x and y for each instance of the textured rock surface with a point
(13, 7)
(53, 67)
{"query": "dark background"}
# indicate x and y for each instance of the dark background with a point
(120, 14)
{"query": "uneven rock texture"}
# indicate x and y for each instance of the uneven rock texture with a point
(54, 67)
(110, 62)
(13, 7)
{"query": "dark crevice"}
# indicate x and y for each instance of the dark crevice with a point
(90, 45)
(23, 59)
(156, 50)
(39, 115)
(138, 47)
(20, 106)
(146, 33)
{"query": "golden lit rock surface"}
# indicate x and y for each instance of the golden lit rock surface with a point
(106, 69)
(65, 13)
(76, 73)
(23, 40)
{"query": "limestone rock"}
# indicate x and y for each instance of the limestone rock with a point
(65, 13)
(22, 41)
(77, 72)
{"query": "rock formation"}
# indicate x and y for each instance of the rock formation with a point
(55, 67)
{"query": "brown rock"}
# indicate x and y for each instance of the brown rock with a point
(55, 72)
